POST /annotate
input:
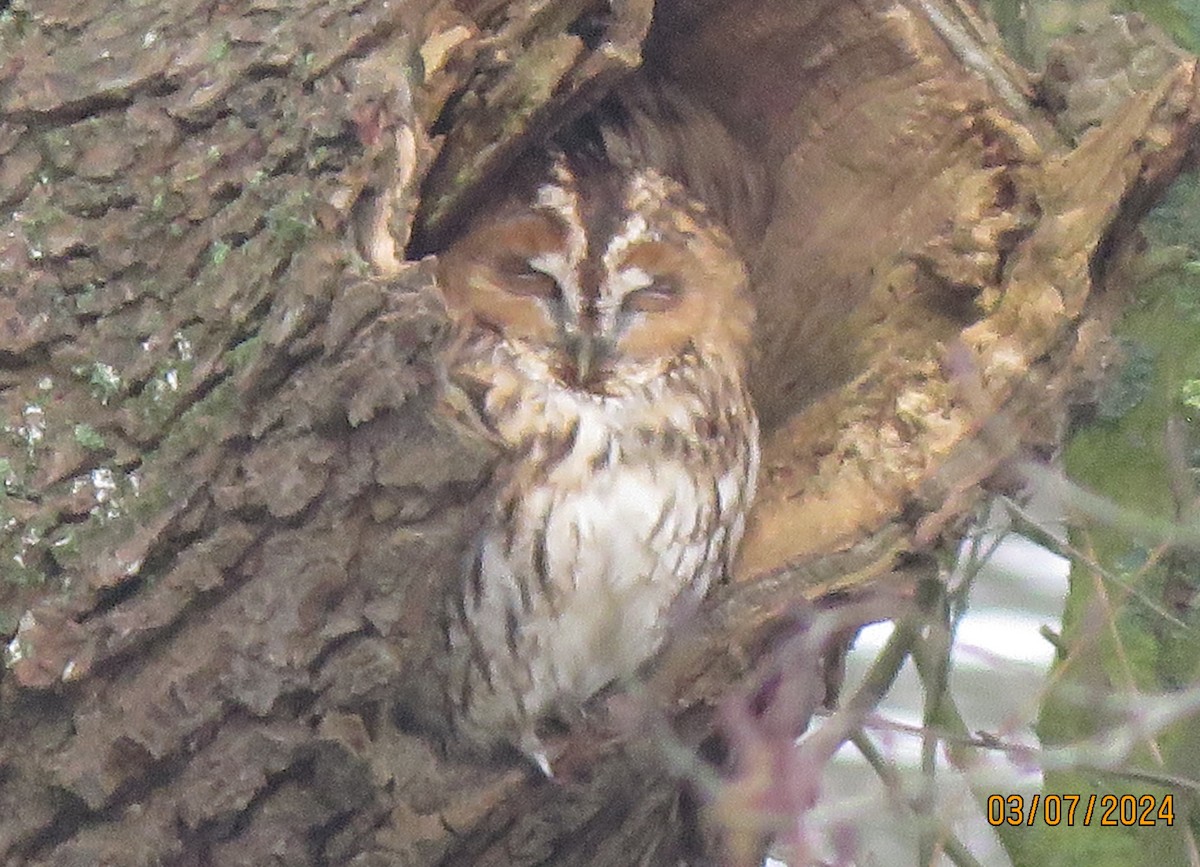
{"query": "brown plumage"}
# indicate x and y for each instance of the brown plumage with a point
(603, 321)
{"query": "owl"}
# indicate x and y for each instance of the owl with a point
(603, 321)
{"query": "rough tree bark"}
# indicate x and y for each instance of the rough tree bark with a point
(229, 495)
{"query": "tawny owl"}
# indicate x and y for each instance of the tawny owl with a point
(604, 321)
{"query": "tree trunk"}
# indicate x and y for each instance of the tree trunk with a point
(231, 492)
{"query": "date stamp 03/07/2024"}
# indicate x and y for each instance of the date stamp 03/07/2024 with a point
(1104, 810)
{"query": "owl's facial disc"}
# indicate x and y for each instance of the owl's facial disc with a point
(601, 274)
(612, 273)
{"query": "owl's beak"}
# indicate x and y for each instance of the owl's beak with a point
(585, 357)
(588, 352)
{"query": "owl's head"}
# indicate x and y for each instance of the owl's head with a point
(599, 271)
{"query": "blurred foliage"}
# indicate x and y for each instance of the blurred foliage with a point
(1180, 19)
(1132, 620)
(1029, 25)
(1130, 384)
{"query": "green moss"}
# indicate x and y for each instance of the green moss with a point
(88, 437)
(1132, 383)
(103, 379)
(317, 157)
(64, 546)
(1080, 845)
(1189, 394)
(1130, 638)
(37, 222)
(1179, 18)
(170, 383)
(290, 222)
(9, 621)
(244, 354)
(218, 253)
(20, 561)
(219, 49)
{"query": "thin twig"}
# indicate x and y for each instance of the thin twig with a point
(954, 848)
